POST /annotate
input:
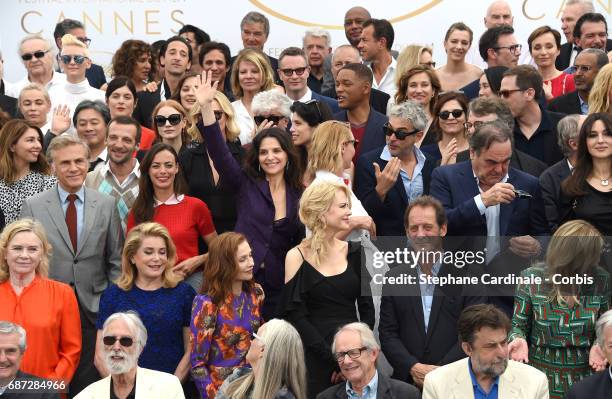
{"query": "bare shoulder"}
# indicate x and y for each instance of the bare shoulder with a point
(293, 262)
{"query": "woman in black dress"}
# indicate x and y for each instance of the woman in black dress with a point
(323, 279)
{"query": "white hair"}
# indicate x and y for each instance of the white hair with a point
(605, 321)
(411, 111)
(271, 100)
(364, 331)
(133, 322)
(34, 36)
(318, 32)
(587, 5)
(8, 328)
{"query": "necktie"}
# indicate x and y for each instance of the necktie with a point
(71, 220)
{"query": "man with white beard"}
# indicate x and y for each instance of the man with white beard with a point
(124, 337)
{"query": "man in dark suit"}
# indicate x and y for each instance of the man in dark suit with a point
(572, 11)
(550, 180)
(535, 129)
(418, 322)
(587, 64)
(14, 383)
(589, 31)
(356, 351)
(85, 232)
(8, 105)
(294, 72)
(347, 54)
(353, 85)
(387, 179)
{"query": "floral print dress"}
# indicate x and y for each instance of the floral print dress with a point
(221, 337)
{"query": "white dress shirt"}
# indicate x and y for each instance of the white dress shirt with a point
(244, 120)
(387, 82)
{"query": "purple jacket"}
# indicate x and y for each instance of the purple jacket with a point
(255, 209)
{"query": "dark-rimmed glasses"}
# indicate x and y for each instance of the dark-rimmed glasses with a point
(353, 354)
(85, 40)
(110, 340)
(515, 49)
(174, 119)
(399, 134)
(475, 125)
(288, 72)
(36, 54)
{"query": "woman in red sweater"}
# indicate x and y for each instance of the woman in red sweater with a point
(161, 200)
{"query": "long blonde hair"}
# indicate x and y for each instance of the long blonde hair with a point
(25, 225)
(232, 131)
(599, 96)
(409, 57)
(315, 202)
(282, 365)
(326, 147)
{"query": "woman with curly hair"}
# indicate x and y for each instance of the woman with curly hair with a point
(133, 59)
(225, 313)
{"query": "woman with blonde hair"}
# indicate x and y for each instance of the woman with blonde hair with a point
(600, 96)
(203, 179)
(411, 55)
(323, 281)
(45, 308)
(148, 286)
(251, 74)
(277, 371)
(225, 314)
(546, 314)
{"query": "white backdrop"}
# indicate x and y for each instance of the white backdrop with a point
(109, 22)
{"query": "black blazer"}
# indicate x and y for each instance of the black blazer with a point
(373, 137)
(8, 105)
(388, 214)
(548, 126)
(387, 389)
(519, 160)
(43, 394)
(550, 184)
(95, 76)
(563, 60)
(596, 386)
(378, 99)
(566, 104)
(401, 329)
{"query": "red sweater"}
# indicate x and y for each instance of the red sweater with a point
(185, 221)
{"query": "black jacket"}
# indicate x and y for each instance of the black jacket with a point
(566, 104)
(550, 183)
(565, 54)
(378, 99)
(597, 386)
(388, 388)
(21, 377)
(95, 76)
(519, 160)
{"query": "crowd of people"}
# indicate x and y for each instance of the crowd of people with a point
(202, 225)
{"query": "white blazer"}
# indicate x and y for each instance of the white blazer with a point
(150, 384)
(453, 381)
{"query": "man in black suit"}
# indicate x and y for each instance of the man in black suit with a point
(590, 31)
(535, 129)
(95, 74)
(7, 104)
(599, 385)
(14, 383)
(550, 180)
(587, 65)
(418, 322)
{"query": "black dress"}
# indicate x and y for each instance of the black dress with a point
(317, 306)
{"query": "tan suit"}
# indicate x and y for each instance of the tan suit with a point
(150, 384)
(519, 381)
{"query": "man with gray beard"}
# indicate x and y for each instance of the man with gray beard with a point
(124, 337)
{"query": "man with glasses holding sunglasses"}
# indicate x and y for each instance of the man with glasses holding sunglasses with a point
(124, 337)
(356, 351)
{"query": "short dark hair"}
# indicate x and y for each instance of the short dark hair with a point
(118, 82)
(201, 37)
(490, 38)
(482, 106)
(489, 133)
(475, 317)
(382, 30)
(542, 30)
(588, 17)
(210, 46)
(292, 52)
(601, 57)
(164, 47)
(459, 26)
(255, 17)
(427, 201)
(97, 106)
(126, 120)
(527, 77)
(443, 99)
(361, 71)
(65, 25)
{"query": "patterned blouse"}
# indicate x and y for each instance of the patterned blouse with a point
(221, 337)
(13, 195)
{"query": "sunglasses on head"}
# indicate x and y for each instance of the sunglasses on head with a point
(316, 104)
(174, 119)
(272, 118)
(36, 54)
(110, 340)
(456, 113)
(78, 59)
(399, 134)
(218, 115)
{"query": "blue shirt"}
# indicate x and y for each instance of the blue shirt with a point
(584, 106)
(480, 393)
(79, 204)
(427, 292)
(414, 185)
(368, 392)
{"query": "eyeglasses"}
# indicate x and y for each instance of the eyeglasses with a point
(272, 118)
(316, 103)
(288, 72)
(36, 54)
(475, 125)
(456, 113)
(218, 115)
(255, 336)
(506, 93)
(85, 40)
(515, 49)
(110, 340)
(353, 354)
(431, 64)
(78, 59)
(174, 119)
(399, 134)
(583, 68)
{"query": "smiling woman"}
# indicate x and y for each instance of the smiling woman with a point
(457, 73)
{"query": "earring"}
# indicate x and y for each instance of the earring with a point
(259, 167)
(287, 166)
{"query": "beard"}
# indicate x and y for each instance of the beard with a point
(123, 365)
(492, 369)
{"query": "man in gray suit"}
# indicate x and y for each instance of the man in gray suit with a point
(85, 232)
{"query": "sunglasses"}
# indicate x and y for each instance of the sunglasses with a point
(174, 119)
(507, 93)
(110, 340)
(36, 54)
(218, 115)
(272, 118)
(78, 59)
(399, 134)
(456, 113)
(288, 72)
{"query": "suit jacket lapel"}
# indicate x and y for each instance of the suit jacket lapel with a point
(89, 216)
(58, 217)
(463, 383)
(506, 210)
(508, 386)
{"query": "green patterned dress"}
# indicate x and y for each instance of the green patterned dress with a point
(559, 337)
